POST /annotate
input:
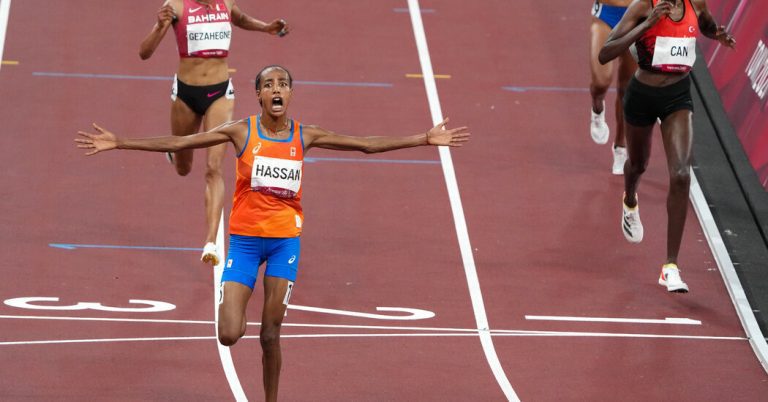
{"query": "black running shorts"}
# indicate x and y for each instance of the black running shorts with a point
(200, 98)
(643, 104)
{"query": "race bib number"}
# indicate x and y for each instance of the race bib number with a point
(210, 36)
(674, 54)
(275, 176)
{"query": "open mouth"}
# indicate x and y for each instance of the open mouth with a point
(277, 103)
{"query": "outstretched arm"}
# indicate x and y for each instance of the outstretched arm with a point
(638, 18)
(104, 140)
(709, 27)
(319, 138)
(165, 16)
(245, 21)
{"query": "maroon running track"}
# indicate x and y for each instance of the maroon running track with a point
(541, 206)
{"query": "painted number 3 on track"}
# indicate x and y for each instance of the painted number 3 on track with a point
(146, 306)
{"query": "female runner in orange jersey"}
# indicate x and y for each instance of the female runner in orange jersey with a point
(202, 91)
(663, 34)
(266, 218)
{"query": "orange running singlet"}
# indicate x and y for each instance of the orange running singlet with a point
(267, 200)
(669, 46)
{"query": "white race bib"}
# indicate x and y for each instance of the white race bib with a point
(275, 176)
(671, 53)
(208, 36)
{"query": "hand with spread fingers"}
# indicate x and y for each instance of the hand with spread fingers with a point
(455, 137)
(96, 142)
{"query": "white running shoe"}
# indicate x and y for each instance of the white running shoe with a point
(630, 223)
(670, 277)
(210, 255)
(598, 127)
(619, 157)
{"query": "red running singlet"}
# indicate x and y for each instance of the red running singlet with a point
(203, 31)
(669, 46)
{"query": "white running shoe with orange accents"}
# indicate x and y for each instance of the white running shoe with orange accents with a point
(670, 277)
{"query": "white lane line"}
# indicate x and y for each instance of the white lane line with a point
(471, 331)
(728, 272)
(107, 340)
(474, 333)
(679, 321)
(5, 11)
(224, 354)
(458, 212)
(614, 335)
(168, 321)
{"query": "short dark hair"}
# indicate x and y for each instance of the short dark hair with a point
(275, 66)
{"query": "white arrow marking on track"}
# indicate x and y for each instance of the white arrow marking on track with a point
(679, 321)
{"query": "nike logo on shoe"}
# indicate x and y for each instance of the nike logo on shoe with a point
(192, 10)
(211, 95)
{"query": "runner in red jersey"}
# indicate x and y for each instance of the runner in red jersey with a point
(266, 219)
(662, 34)
(202, 91)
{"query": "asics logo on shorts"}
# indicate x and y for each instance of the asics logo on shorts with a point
(292, 259)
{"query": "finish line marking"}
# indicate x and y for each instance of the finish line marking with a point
(384, 335)
(678, 321)
(382, 327)
(473, 282)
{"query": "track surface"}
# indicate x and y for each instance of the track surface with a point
(540, 203)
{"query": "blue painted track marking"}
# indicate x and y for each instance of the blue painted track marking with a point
(169, 78)
(70, 246)
(361, 160)
(548, 89)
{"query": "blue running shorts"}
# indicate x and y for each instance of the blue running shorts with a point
(611, 15)
(247, 253)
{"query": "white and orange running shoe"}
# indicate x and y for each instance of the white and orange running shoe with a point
(670, 277)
